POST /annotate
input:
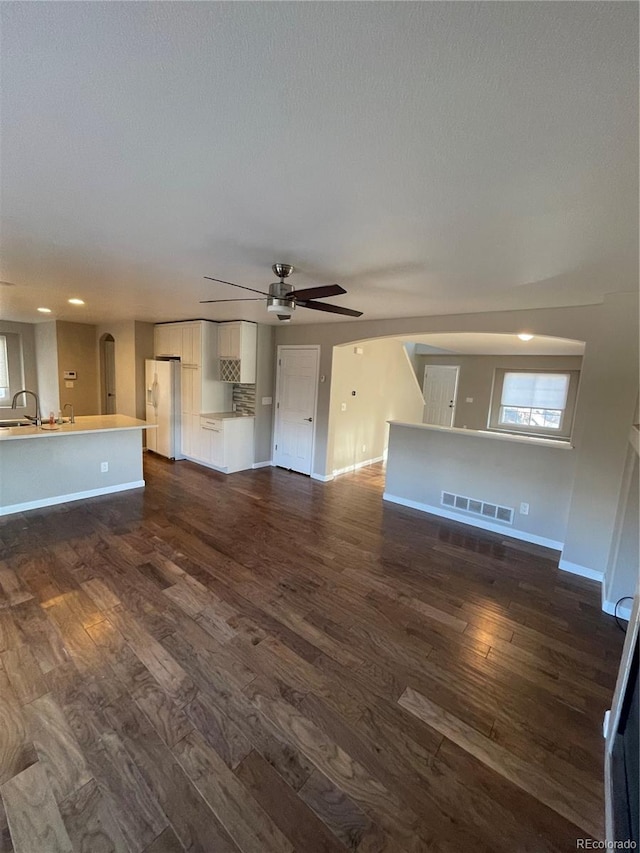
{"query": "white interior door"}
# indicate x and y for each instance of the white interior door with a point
(439, 390)
(297, 387)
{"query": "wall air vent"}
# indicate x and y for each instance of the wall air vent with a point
(477, 507)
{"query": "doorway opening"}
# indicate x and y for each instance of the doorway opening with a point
(108, 374)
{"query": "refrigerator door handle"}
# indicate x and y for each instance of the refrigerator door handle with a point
(154, 393)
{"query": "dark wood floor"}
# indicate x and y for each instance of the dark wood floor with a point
(266, 663)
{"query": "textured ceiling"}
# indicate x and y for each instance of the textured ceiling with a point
(431, 157)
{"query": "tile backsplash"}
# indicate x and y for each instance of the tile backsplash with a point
(244, 398)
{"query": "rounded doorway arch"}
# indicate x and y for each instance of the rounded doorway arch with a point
(108, 374)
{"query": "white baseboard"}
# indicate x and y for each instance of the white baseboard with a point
(262, 464)
(363, 464)
(624, 611)
(74, 496)
(523, 535)
(583, 571)
(323, 478)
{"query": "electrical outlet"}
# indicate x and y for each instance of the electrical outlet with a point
(104, 467)
(364, 448)
(468, 399)
(524, 509)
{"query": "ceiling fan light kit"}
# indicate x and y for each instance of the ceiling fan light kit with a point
(282, 299)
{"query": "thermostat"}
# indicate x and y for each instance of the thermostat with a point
(70, 374)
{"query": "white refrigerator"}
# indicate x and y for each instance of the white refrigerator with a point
(162, 383)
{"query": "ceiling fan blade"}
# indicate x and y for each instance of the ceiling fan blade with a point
(206, 301)
(331, 309)
(319, 292)
(222, 281)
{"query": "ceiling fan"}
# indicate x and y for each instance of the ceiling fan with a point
(283, 300)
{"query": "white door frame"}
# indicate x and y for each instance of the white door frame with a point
(277, 400)
(455, 388)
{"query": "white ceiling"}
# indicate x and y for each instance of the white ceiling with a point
(430, 157)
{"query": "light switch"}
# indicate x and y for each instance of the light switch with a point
(469, 400)
(343, 407)
(68, 384)
(267, 401)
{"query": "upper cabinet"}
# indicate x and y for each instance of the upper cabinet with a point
(237, 346)
(186, 341)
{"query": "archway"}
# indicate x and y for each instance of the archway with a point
(108, 374)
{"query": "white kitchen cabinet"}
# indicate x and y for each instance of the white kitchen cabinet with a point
(162, 340)
(227, 444)
(191, 353)
(237, 347)
(229, 340)
(187, 341)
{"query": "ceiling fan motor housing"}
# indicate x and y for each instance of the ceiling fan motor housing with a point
(278, 301)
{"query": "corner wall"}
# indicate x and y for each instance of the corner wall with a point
(384, 381)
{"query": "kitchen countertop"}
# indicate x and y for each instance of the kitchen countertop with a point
(539, 441)
(83, 424)
(221, 415)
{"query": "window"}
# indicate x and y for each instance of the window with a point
(534, 402)
(11, 366)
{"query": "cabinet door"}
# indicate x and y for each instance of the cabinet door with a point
(224, 340)
(161, 342)
(187, 435)
(216, 448)
(235, 333)
(196, 344)
(186, 389)
(191, 344)
(175, 339)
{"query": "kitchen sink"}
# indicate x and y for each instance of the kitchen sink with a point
(15, 422)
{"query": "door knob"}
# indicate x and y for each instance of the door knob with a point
(308, 419)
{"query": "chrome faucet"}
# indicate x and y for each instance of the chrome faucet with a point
(72, 419)
(25, 391)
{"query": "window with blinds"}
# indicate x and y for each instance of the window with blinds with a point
(534, 399)
(534, 402)
(4, 369)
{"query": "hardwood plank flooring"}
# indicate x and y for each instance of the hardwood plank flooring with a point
(262, 663)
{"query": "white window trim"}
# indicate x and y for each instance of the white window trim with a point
(566, 424)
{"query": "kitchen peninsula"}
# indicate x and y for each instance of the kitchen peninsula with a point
(42, 466)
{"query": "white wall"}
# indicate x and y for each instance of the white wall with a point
(386, 388)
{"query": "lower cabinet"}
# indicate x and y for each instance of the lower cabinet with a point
(226, 443)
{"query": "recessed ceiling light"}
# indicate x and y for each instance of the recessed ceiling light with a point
(75, 301)
(525, 337)
(44, 310)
